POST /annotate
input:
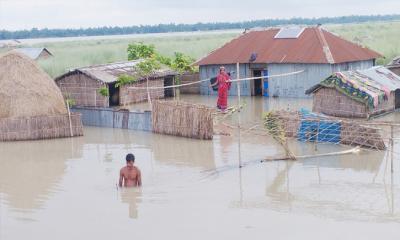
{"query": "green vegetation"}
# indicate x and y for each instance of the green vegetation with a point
(73, 54)
(382, 37)
(104, 91)
(163, 28)
(379, 36)
(140, 50)
(124, 79)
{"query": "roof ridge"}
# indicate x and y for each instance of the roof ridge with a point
(325, 45)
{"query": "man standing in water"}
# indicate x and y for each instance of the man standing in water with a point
(130, 176)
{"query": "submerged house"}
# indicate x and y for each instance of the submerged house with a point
(394, 65)
(31, 105)
(357, 94)
(35, 53)
(314, 51)
(84, 85)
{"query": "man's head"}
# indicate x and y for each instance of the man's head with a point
(130, 159)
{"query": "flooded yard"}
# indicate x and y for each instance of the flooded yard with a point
(192, 189)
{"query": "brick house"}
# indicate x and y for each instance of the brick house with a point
(84, 84)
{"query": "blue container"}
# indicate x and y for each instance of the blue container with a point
(322, 131)
(265, 74)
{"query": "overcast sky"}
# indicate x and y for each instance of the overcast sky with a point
(25, 14)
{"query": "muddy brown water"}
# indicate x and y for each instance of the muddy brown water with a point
(66, 188)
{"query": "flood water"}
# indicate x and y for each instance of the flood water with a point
(192, 189)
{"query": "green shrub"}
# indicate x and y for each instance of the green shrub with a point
(104, 91)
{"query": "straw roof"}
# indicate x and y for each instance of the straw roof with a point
(26, 90)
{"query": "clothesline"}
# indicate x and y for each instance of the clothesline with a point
(233, 80)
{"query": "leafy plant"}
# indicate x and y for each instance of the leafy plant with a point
(140, 50)
(70, 102)
(183, 63)
(124, 79)
(104, 91)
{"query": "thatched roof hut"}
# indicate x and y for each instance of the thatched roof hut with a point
(31, 104)
(361, 93)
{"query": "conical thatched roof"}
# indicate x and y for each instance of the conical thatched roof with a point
(26, 90)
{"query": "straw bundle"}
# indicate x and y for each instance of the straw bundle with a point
(26, 90)
(182, 119)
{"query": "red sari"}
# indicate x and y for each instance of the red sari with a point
(223, 88)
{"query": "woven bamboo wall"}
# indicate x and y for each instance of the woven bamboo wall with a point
(83, 89)
(331, 102)
(40, 127)
(129, 95)
(182, 119)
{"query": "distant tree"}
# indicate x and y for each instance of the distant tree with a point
(160, 28)
(182, 64)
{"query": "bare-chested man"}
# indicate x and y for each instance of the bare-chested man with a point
(130, 176)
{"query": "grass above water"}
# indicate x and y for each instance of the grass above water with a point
(379, 36)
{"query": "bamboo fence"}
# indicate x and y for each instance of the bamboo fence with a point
(40, 127)
(182, 119)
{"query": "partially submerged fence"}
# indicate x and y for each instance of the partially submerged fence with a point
(40, 127)
(182, 119)
(315, 128)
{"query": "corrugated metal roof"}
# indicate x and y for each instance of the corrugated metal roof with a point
(314, 45)
(109, 73)
(32, 53)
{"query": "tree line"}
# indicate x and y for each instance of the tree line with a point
(172, 27)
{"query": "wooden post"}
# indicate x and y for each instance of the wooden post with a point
(391, 148)
(70, 123)
(239, 120)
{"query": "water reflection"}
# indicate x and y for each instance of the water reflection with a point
(30, 171)
(132, 197)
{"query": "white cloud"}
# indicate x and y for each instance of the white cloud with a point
(25, 14)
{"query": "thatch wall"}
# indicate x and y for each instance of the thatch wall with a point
(182, 119)
(83, 89)
(331, 102)
(128, 95)
(40, 127)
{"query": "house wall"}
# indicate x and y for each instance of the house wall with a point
(83, 89)
(189, 78)
(331, 102)
(129, 95)
(386, 106)
(296, 85)
(209, 71)
(288, 86)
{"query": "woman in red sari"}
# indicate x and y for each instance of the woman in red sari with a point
(223, 88)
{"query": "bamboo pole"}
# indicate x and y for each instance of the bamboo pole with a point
(70, 123)
(239, 119)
